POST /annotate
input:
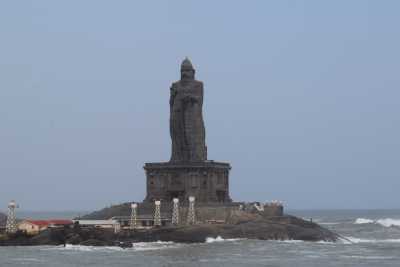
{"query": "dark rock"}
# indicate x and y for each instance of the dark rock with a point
(124, 244)
(16, 239)
(96, 242)
(50, 237)
(279, 228)
(250, 227)
(251, 224)
(73, 239)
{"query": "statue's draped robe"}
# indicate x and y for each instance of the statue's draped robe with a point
(186, 121)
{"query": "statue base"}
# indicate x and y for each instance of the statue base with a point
(207, 181)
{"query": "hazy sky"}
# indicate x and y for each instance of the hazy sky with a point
(302, 97)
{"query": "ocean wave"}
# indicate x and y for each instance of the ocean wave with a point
(159, 245)
(140, 246)
(329, 223)
(387, 222)
(356, 240)
(365, 257)
(27, 260)
(363, 221)
(82, 248)
(219, 239)
(294, 241)
(291, 241)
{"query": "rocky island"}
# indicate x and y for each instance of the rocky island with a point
(187, 198)
(252, 226)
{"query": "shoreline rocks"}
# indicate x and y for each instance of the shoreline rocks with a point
(272, 228)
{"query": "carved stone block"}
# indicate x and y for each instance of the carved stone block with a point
(207, 181)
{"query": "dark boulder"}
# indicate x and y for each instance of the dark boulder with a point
(277, 228)
(96, 242)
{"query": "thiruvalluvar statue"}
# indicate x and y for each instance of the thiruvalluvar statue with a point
(186, 117)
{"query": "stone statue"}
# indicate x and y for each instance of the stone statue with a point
(186, 118)
(188, 174)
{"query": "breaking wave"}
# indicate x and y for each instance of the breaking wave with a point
(329, 223)
(219, 239)
(355, 240)
(292, 241)
(388, 222)
(26, 260)
(363, 221)
(140, 246)
(82, 248)
(145, 246)
(365, 257)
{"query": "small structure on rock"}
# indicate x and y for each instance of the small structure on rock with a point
(133, 222)
(175, 212)
(11, 225)
(34, 227)
(102, 224)
(157, 213)
(191, 218)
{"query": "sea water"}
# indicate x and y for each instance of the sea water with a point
(370, 238)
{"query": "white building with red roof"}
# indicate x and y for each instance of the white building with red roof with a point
(33, 227)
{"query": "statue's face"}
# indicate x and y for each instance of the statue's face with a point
(187, 74)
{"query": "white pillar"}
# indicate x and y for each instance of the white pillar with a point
(157, 213)
(175, 211)
(133, 221)
(191, 219)
(11, 225)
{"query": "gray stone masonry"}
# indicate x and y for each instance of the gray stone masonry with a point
(207, 181)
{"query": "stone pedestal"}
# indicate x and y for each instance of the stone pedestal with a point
(207, 181)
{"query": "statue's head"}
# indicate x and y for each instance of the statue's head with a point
(187, 70)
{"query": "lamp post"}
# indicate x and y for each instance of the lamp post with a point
(133, 221)
(11, 225)
(191, 213)
(175, 211)
(157, 213)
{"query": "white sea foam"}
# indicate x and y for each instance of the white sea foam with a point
(355, 240)
(88, 248)
(145, 246)
(141, 246)
(219, 239)
(387, 222)
(363, 221)
(365, 257)
(27, 259)
(329, 223)
(290, 241)
(294, 241)
(70, 247)
(325, 242)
